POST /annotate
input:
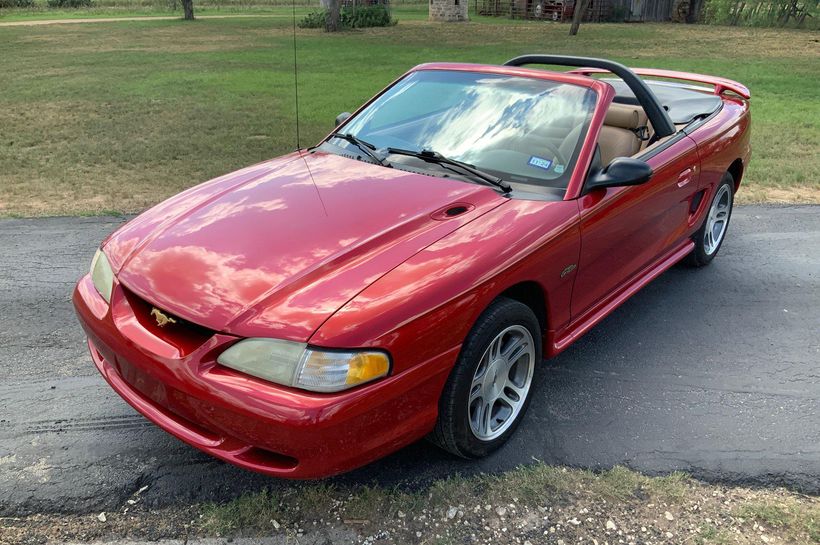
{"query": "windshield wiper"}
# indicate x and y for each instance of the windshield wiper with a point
(435, 157)
(366, 147)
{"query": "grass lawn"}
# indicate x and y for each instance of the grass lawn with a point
(113, 117)
(41, 13)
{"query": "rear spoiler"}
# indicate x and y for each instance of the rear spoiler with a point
(721, 84)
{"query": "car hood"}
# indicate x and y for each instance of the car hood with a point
(276, 249)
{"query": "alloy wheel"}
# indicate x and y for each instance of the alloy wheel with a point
(501, 383)
(717, 220)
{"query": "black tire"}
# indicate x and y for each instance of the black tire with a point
(453, 432)
(699, 256)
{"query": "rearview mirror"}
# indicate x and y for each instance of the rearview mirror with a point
(622, 171)
(341, 118)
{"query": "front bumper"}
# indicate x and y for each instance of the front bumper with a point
(248, 422)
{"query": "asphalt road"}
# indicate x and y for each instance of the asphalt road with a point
(714, 371)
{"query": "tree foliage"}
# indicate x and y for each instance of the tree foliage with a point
(798, 13)
(16, 3)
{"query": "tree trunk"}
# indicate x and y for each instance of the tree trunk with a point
(333, 21)
(695, 7)
(188, 9)
(578, 14)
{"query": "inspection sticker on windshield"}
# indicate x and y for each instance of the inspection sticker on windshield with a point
(540, 162)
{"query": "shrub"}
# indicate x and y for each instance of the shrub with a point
(360, 17)
(368, 16)
(314, 19)
(767, 13)
(69, 3)
(16, 3)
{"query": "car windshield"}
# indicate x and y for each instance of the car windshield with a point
(520, 129)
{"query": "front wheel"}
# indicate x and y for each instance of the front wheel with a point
(710, 236)
(488, 390)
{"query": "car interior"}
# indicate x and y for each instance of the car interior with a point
(627, 131)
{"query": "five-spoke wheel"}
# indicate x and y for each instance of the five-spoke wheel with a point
(713, 231)
(718, 219)
(501, 382)
(488, 390)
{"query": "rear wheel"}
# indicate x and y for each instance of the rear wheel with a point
(710, 236)
(488, 390)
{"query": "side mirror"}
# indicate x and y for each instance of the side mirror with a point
(622, 171)
(341, 118)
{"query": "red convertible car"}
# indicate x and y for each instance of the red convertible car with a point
(406, 276)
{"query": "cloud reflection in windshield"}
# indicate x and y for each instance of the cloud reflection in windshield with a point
(491, 121)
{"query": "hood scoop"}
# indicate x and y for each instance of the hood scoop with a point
(452, 211)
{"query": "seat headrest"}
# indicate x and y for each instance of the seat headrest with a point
(624, 116)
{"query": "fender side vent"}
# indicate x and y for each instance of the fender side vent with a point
(696, 202)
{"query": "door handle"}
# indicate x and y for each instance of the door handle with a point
(685, 177)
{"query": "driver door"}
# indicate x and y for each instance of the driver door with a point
(626, 230)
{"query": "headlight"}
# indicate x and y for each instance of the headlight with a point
(294, 364)
(102, 275)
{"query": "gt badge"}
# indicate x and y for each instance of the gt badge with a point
(567, 270)
(162, 318)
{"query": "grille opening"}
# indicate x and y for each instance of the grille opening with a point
(185, 336)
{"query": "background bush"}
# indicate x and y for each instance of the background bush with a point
(69, 3)
(16, 3)
(360, 17)
(783, 13)
(314, 19)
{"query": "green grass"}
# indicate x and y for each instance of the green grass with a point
(170, 8)
(122, 8)
(786, 515)
(694, 512)
(118, 116)
(106, 13)
(536, 503)
(373, 505)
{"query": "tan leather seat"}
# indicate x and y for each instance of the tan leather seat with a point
(618, 137)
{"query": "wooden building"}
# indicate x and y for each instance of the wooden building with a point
(598, 10)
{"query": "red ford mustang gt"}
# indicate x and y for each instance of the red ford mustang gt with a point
(405, 277)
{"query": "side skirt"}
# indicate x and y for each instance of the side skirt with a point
(560, 340)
